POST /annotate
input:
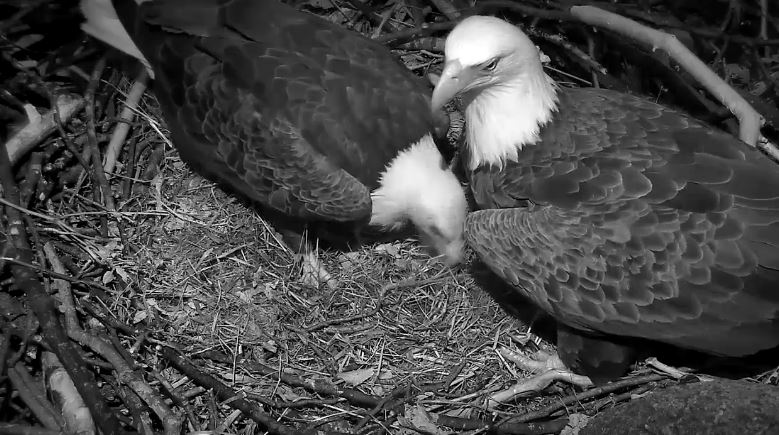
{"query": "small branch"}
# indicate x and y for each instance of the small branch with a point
(38, 129)
(138, 410)
(402, 36)
(580, 397)
(124, 372)
(99, 172)
(44, 308)
(537, 383)
(125, 119)
(368, 13)
(379, 300)
(34, 397)
(545, 14)
(18, 429)
(750, 120)
(447, 9)
(64, 393)
(227, 394)
(534, 428)
(30, 181)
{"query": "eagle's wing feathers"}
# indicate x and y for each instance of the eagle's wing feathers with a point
(281, 111)
(327, 72)
(235, 134)
(639, 222)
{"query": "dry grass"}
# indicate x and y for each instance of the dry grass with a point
(196, 270)
(181, 265)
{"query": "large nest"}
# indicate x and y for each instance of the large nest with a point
(186, 307)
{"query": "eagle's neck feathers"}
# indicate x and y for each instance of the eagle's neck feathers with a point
(507, 116)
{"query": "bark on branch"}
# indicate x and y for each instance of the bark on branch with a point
(750, 120)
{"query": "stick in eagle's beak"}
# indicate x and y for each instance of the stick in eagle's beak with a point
(453, 80)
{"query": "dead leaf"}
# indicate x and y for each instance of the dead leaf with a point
(122, 273)
(108, 277)
(417, 418)
(288, 394)
(389, 249)
(140, 316)
(356, 377)
(238, 378)
(576, 422)
(248, 296)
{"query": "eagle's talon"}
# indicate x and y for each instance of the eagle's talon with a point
(313, 273)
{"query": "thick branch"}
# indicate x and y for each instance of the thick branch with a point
(748, 117)
(125, 119)
(37, 129)
(225, 393)
(43, 306)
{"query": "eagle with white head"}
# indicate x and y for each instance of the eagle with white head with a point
(320, 128)
(621, 218)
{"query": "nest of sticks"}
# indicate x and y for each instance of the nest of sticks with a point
(137, 290)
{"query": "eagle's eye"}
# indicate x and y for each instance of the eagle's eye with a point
(491, 65)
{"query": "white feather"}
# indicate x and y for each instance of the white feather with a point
(507, 116)
(416, 186)
(103, 23)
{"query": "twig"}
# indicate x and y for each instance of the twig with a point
(536, 383)
(546, 14)
(385, 16)
(764, 25)
(426, 29)
(18, 429)
(750, 120)
(30, 181)
(623, 397)
(379, 300)
(86, 283)
(43, 307)
(64, 393)
(302, 403)
(417, 32)
(137, 409)
(126, 375)
(64, 295)
(709, 33)
(99, 173)
(368, 13)
(34, 397)
(591, 52)
(34, 132)
(124, 121)
(227, 394)
(534, 428)
(447, 9)
(124, 371)
(586, 59)
(578, 397)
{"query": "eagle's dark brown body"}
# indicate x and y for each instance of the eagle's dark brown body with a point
(292, 112)
(629, 219)
(277, 103)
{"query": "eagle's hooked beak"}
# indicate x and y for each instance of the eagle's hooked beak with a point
(453, 80)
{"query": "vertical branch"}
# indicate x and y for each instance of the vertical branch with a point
(97, 165)
(43, 306)
(125, 118)
(749, 119)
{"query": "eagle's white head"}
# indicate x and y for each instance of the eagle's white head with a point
(497, 70)
(419, 187)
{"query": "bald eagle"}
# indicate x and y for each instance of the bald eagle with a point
(619, 217)
(319, 127)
